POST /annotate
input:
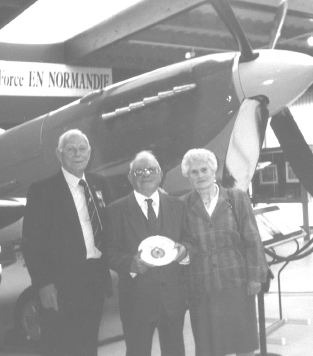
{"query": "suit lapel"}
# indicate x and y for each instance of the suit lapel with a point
(66, 202)
(165, 213)
(222, 203)
(136, 217)
(197, 206)
(94, 190)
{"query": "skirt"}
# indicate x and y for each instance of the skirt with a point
(224, 322)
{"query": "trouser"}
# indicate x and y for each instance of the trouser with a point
(139, 336)
(73, 329)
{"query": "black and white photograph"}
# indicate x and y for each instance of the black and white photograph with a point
(155, 168)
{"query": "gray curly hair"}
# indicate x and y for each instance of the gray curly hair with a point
(196, 155)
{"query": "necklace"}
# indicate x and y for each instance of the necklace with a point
(206, 199)
(207, 202)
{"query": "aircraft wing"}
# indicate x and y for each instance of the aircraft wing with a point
(168, 111)
(11, 214)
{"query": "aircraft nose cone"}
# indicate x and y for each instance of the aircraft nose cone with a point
(10, 211)
(280, 75)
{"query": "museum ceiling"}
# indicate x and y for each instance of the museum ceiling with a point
(198, 30)
(131, 41)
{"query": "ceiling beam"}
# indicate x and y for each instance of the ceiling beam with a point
(9, 10)
(128, 22)
(301, 7)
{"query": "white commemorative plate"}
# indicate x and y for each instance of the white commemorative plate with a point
(158, 250)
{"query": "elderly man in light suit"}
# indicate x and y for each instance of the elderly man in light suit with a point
(149, 297)
(65, 250)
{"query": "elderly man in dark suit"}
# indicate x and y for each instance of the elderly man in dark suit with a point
(64, 247)
(150, 297)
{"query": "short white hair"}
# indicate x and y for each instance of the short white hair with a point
(141, 155)
(196, 155)
(73, 132)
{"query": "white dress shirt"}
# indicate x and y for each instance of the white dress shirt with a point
(80, 202)
(141, 200)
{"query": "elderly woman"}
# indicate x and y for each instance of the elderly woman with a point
(230, 267)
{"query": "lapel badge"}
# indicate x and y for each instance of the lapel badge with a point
(100, 198)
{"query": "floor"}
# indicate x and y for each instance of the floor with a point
(292, 338)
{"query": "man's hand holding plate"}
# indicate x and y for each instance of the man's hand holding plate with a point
(181, 252)
(138, 265)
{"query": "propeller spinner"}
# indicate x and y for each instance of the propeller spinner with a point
(281, 76)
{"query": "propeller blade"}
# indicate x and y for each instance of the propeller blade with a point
(278, 23)
(296, 150)
(226, 13)
(245, 143)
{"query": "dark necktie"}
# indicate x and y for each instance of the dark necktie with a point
(152, 219)
(93, 213)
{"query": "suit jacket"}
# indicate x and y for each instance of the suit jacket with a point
(159, 286)
(229, 255)
(52, 242)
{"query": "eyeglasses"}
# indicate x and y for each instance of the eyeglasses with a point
(148, 170)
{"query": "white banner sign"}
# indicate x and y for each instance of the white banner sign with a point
(48, 79)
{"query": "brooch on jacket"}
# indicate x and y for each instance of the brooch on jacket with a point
(100, 198)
